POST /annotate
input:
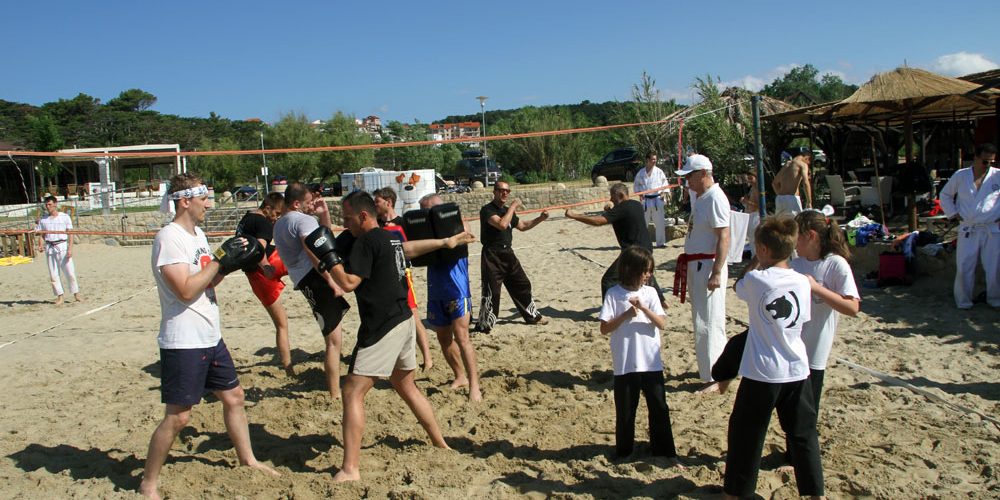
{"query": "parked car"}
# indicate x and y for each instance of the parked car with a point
(243, 193)
(620, 164)
(474, 166)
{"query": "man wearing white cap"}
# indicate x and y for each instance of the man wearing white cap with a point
(704, 262)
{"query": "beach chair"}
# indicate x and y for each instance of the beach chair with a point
(839, 196)
(879, 193)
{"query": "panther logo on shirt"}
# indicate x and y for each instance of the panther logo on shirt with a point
(782, 310)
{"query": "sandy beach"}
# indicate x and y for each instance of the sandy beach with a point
(80, 395)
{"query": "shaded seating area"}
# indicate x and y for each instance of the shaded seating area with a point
(841, 197)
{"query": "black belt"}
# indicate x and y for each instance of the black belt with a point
(53, 243)
(498, 246)
(650, 196)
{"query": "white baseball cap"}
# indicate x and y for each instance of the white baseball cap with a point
(694, 162)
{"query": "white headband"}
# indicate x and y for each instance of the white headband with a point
(168, 208)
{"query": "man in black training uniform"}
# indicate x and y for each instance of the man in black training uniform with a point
(498, 262)
(628, 219)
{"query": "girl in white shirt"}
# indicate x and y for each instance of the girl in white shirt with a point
(823, 255)
(632, 316)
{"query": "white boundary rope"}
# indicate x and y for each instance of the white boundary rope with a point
(889, 379)
(92, 311)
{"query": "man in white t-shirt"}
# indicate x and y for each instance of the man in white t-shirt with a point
(193, 358)
(647, 179)
(58, 248)
(972, 196)
(701, 269)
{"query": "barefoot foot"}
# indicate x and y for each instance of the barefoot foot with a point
(149, 490)
(459, 383)
(261, 467)
(343, 476)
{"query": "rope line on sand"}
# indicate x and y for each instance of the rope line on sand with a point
(92, 311)
(889, 379)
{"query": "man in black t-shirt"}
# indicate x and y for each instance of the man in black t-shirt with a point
(627, 217)
(376, 272)
(265, 277)
(498, 263)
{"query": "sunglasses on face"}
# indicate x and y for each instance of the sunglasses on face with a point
(504, 191)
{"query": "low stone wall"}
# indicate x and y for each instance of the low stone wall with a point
(532, 198)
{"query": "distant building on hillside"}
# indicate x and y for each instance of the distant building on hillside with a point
(447, 131)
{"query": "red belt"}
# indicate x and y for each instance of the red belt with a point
(681, 272)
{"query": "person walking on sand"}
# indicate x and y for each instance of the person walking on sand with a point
(498, 262)
(58, 248)
(193, 357)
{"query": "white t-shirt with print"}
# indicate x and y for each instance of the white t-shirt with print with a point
(635, 345)
(709, 211)
(184, 325)
(779, 303)
(834, 273)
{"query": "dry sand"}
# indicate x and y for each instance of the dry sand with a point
(79, 401)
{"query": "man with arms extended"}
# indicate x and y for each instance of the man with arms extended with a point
(58, 249)
(449, 311)
(626, 218)
(647, 179)
(323, 295)
(786, 184)
(193, 357)
(376, 272)
(498, 263)
(973, 196)
(701, 269)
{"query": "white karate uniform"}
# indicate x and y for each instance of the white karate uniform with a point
(978, 233)
(708, 308)
(56, 249)
(652, 203)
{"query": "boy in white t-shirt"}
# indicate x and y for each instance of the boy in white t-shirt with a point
(193, 358)
(633, 316)
(775, 368)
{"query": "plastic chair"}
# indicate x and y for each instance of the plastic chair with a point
(839, 196)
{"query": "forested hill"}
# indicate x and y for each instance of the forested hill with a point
(603, 113)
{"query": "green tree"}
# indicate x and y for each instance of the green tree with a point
(223, 172)
(132, 100)
(646, 106)
(802, 86)
(342, 130)
(543, 158)
(293, 130)
(45, 136)
(714, 135)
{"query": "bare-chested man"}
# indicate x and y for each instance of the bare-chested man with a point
(786, 184)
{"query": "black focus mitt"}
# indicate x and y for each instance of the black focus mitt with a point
(237, 253)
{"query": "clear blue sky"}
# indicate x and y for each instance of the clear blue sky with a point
(426, 60)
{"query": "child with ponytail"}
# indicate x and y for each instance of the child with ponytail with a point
(823, 258)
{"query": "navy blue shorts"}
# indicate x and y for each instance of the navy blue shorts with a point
(444, 312)
(188, 374)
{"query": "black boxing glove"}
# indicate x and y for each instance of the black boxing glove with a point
(234, 254)
(322, 244)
